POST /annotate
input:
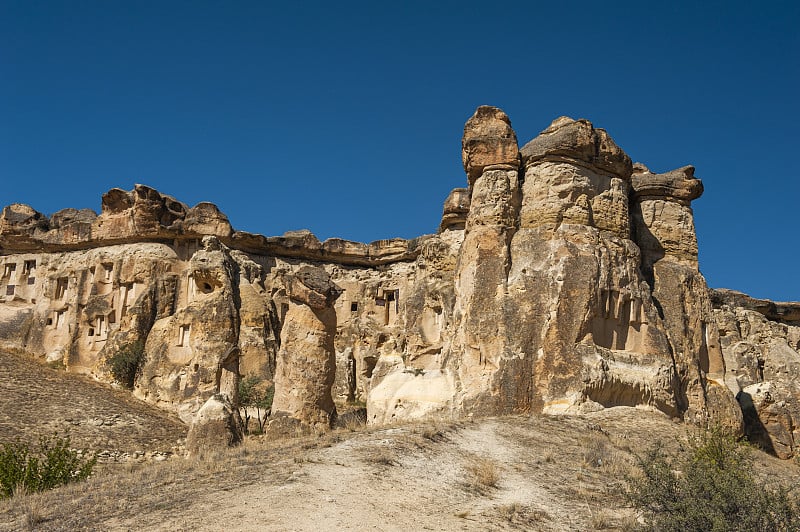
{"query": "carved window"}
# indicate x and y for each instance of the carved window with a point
(31, 280)
(183, 335)
(28, 267)
(108, 268)
(9, 269)
(59, 319)
(61, 287)
(354, 307)
(10, 290)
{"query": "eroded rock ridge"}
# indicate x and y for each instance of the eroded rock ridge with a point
(563, 278)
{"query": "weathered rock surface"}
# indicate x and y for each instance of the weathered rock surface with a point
(563, 278)
(216, 425)
(306, 365)
(762, 353)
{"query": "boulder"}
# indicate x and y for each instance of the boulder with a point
(215, 426)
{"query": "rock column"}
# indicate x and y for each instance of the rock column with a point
(663, 226)
(491, 160)
(306, 363)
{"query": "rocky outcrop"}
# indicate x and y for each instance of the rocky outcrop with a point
(306, 365)
(761, 345)
(193, 352)
(554, 310)
(562, 278)
(216, 426)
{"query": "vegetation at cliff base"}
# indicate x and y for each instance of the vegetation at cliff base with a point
(126, 363)
(50, 465)
(710, 487)
(255, 393)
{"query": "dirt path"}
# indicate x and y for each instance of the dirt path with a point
(401, 479)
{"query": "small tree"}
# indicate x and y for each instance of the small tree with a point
(712, 487)
(54, 464)
(256, 393)
(126, 363)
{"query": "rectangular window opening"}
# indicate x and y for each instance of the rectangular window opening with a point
(61, 287)
(353, 307)
(183, 335)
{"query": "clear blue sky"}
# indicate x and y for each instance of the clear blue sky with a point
(346, 118)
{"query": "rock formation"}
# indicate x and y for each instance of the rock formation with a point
(563, 278)
(216, 425)
(761, 343)
(306, 366)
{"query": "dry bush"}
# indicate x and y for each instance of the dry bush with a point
(711, 486)
(521, 514)
(482, 474)
(602, 520)
(31, 506)
(598, 452)
(382, 457)
(510, 511)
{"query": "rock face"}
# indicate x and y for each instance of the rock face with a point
(306, 366)
(216, 425)
(761, 343)
(562, 278)
(554, 288)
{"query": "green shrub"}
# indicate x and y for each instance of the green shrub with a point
(256, 393)
(126, 363)
(711, 487)
(53, 465)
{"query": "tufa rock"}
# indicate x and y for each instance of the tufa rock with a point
(306, 363)
(488, 141)
(563, 279)
(216, 425)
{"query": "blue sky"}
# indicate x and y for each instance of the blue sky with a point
(346, 119)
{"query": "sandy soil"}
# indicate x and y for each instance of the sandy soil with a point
(509, 473)
(36, 400)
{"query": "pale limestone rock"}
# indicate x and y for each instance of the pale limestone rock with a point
(662, 214)
(456, 208)
(761, 353)
(216, 425)
(488, 141)
(192, 353)
(556, 283)
(306, 364)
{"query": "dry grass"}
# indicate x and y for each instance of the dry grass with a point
(522, 515)
(560, 473)
(121, 491)
(382, 457)
(483, 474)
(31, 508)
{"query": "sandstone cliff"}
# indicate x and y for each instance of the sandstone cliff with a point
(563, 278)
